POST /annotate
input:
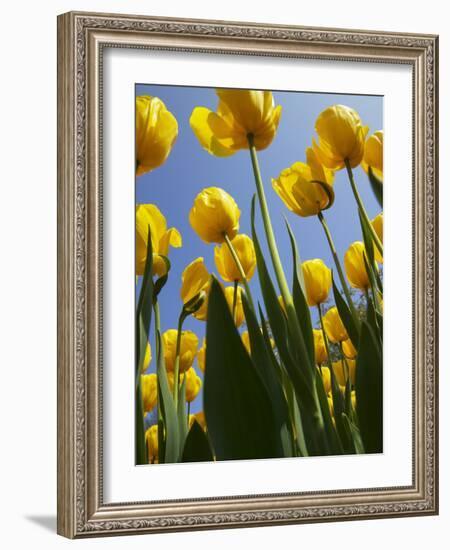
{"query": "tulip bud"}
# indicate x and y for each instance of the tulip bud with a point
(317, 278)
(149, 391)
(214, 215)
(341, 137)
(373, 154)
(149, 215)
(151, 438)
(156, 132)
(355, 266)
(188, 349)
(334, 326)
(226, 266)
(195, 280)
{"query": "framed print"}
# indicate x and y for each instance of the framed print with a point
(247, 276)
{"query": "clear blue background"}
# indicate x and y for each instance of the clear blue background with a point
(189, 169)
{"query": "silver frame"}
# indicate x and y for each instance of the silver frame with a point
(82, 38)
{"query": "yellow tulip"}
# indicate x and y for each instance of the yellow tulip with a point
(193, 383)
(239, 113)
(320, 352)
(188, 349)
(226, 266)
(299, 193)
(147, 358)
(341, 137)
(334, 327)
(355, 267)
(339, 371)
(201, 355)
(214, 215)
(195, 280)
(151, 438)
(239, 313)
(377, 224)
(319, 172)
(317, 278)
(373, 154)
(156, 132)
(349, 349)
(326, 379)
(149, 390)
(150, 215)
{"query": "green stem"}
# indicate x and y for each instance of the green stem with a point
(276, 260)
(235, 291)
(344, 359)
(157, 318)
(240, 269)
(337, 263)
(188, 412)
(291, 314)
(176, 373)
(361, 207)
(325, 337)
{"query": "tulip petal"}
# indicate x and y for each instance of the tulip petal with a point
(212, 131)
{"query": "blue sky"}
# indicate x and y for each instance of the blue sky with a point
(189, 169)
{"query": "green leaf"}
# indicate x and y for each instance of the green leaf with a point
(299, 369)
(300, 303)
(144, 307)
(346, 317)
(369, 390)
(370, 263)
(167, 406)
(339, 409)
(334, 444)
(264, 364)
(368, 240)
(181, 413)
(197, 447)
(237, 407)
(298, 434)
(160, 283)
(377, 186)
(141, 447)
(373, 319)
(354, 434)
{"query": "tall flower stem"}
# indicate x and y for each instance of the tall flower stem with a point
(284, 287)
(276, 260)
(176, 373)
(235, 291)
(240, 269)
(325, 337)
(344, 359)
(361, 207)
(157, 321)
(337, 263)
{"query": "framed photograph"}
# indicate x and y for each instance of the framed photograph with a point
(247, 276)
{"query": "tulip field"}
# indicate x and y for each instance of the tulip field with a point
(259, 275)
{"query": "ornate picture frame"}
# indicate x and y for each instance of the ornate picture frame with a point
(82, 39)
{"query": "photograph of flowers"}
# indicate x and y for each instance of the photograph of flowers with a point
(259, 274)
